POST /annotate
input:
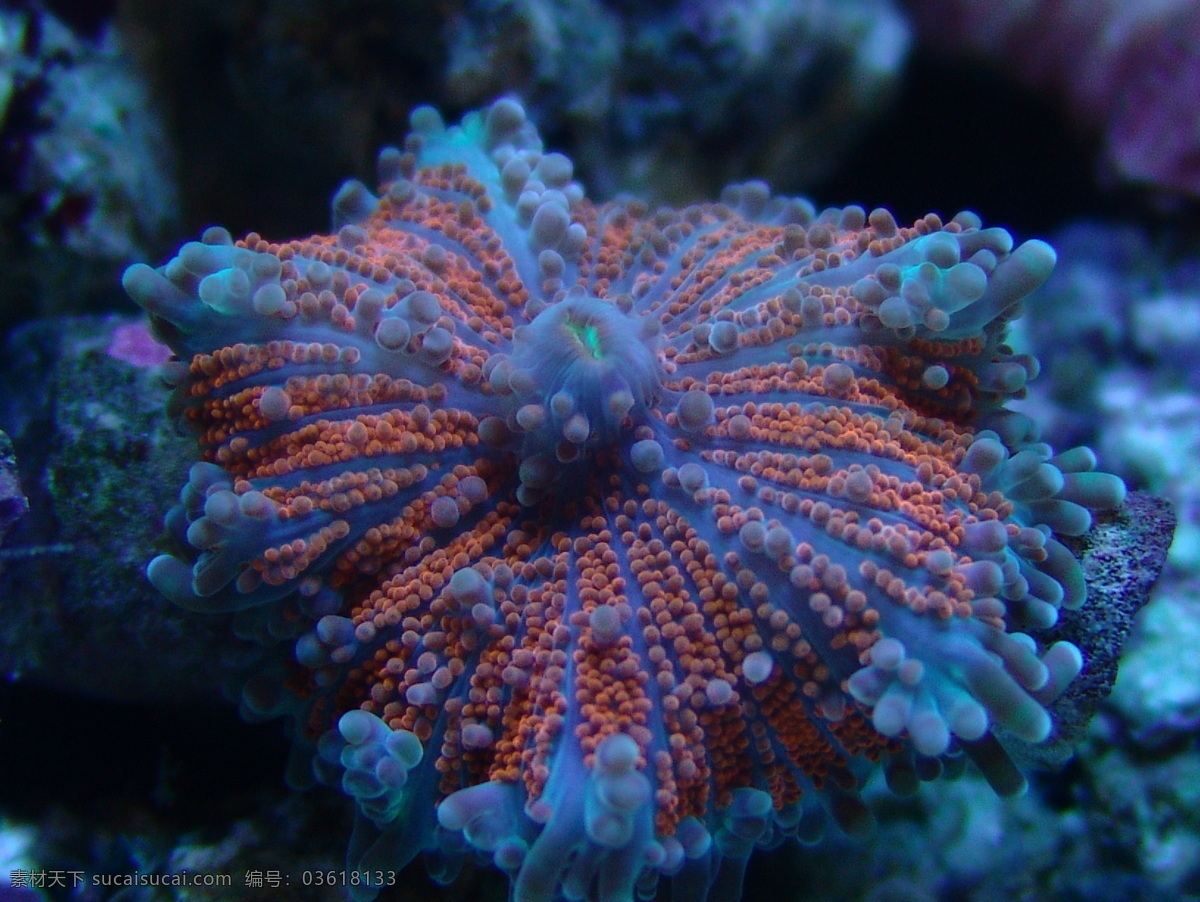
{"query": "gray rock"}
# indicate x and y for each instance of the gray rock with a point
(100, 464)
(13, 503)
(1123, 556)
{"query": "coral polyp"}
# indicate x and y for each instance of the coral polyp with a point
(607, 543)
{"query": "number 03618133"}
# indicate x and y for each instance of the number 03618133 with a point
(375, 879)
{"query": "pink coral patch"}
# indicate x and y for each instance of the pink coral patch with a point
(133, 343)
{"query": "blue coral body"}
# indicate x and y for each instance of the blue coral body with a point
(609, 544)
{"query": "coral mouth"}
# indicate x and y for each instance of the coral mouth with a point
(583, 376)
(587, 334)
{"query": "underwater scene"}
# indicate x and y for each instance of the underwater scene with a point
(546, 450)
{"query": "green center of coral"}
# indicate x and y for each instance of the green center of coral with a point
(588, 336)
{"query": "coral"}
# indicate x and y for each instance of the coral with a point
(1123, 556)
(13, 503)
(1115, 328)
(90, 437)
(666, 96)
(16, 846)
(1146, 809)
(1152, 433)
(1126, 69)
(609, 543)
(133, 344)
(1083, 316)
(1158, 693)
(671, 98)
(88, 182)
